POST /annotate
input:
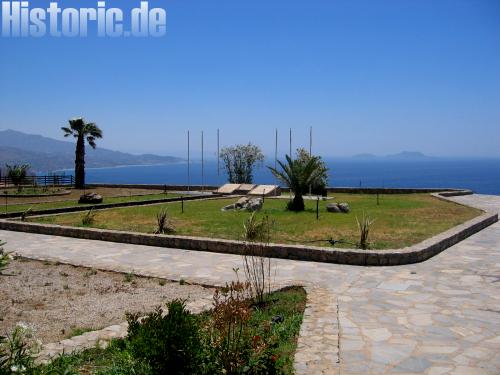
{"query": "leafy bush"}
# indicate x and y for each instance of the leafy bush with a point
(169, 344)
(237, 348)
(317, 186)
(17, 349)
(240, 161)
(230, 317)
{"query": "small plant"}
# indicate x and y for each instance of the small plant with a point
(89, 218)
(255, 230)
(66, 287)
(169, 343)
(17, 350)
(256, 262)
(162, 282)
(164, 224)
(129, 277)
(78, 331)
(364, 231)
(90, 272)
(230, 333)
(26, 213)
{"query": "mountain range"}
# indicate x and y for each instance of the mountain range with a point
(46, 154)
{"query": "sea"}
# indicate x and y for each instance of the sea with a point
(480, 175)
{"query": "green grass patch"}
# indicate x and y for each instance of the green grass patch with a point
(73, 203)
(78, 331)
(400, 220)
(34, 191)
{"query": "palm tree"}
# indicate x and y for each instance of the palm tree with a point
(298, 175)
(82, 131)
(17, 174)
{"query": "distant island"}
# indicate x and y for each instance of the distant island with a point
(46, 154)
(404, 155)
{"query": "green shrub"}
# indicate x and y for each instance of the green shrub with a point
(129, 277)
(16, 350)
(169, 344)
(237, 347)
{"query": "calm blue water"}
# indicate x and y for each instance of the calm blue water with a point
(482, 176)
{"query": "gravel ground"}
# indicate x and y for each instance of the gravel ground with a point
(58, 299)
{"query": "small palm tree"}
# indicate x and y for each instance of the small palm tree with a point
(17, 174)
(298, 175)
(82, 131)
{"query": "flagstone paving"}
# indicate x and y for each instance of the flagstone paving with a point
(441, 316)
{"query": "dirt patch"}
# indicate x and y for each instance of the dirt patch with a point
(59, 300)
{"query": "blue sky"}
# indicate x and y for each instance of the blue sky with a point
(369, 76)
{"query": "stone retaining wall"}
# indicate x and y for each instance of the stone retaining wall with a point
(156, 187)
(413, 254)
(351, 190)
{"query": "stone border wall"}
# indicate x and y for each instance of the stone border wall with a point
(353, 190)
(103, 206)
(156, 187)
(413, 254)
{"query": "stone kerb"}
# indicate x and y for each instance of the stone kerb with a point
(412, 254)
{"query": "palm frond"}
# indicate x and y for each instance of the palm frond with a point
(67, 131)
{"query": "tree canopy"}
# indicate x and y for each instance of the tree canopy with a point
(240, 162)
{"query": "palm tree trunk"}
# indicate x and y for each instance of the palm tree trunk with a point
(297, 203)
(80, 163)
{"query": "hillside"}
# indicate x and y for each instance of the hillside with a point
(47, 154)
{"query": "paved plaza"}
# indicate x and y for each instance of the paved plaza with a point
(441, 316)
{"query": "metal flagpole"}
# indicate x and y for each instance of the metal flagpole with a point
(189, 162)
(276, 159)
(276, 149)
(218, 156)
(310, 140)
(202, 165)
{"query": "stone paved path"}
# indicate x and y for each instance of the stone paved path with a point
(437, 317)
